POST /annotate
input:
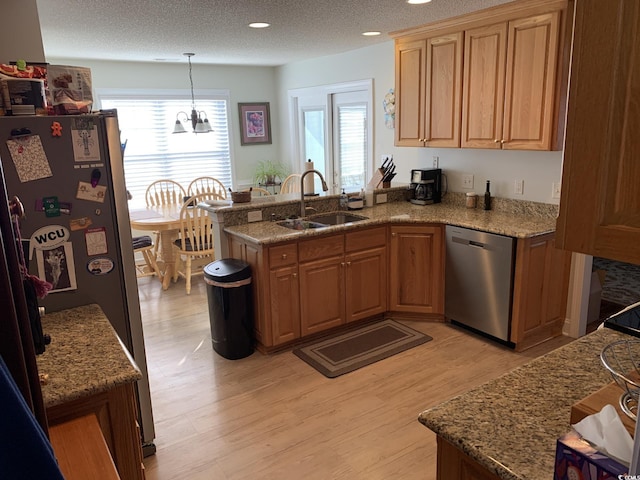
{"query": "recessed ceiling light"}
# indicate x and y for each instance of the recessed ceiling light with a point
(417, 2)
(259, 25)
(370, 34)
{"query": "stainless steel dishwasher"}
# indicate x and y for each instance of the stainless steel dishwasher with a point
(479, 280)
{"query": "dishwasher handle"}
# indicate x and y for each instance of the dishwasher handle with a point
(469, 243)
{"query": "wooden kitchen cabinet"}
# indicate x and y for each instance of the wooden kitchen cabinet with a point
(322, 293)
(509, 84)
(366, 273)
(492, 79)
(284, 293)
(541, 284)
(253, 255)
(308, 286)
(117, 415)
(600, 201)
(454, 464)
(416, 269)
(342, 279)
(428, 91)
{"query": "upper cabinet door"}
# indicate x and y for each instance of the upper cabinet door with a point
(410, 96)
(600, 203)
(532, 57)
(485, 51)
(443, 90)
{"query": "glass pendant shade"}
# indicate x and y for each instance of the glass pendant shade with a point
(179, 128)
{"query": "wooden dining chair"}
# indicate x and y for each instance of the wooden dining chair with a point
(194, 246)
(165, 192)
(144, 245)
(257, 191)
(211, 186)
(291, 184)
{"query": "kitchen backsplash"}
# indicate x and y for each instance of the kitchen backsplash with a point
(291, 206)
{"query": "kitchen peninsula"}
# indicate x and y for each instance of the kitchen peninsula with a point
(390, 262)
(507, 428)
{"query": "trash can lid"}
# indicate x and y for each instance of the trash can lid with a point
(227, 270)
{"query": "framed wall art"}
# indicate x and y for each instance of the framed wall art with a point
(255, 123)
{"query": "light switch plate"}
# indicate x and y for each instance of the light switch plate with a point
(555, 189)
(254, 216)
(381, 198)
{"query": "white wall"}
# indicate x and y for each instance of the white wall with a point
(245, 84)
(538, 169)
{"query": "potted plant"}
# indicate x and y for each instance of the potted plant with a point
(267, 171)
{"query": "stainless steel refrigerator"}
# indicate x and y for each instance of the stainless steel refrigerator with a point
(68, 173)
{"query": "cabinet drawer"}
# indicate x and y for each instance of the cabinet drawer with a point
(321, 247)
(283, 255)
(367, 238)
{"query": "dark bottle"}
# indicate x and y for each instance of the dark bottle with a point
(487, 197)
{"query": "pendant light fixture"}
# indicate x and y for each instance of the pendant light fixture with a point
(198, 118)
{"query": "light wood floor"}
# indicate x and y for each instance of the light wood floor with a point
(275, 417)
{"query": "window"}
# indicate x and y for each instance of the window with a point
(152, 152)
(333, 125)
(350, 134)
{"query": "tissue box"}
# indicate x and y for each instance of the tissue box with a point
(575, 458)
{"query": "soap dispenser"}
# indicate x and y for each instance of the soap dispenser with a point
(344, 200)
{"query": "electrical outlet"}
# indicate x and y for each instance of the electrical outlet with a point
(381, 198)
(518, 187)
(467, 181)
(254, 216)
(436, 161)
(555, 189)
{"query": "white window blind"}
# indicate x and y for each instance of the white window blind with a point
(352, 128)
(153, 152)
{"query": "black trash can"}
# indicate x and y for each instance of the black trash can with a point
(230, 297)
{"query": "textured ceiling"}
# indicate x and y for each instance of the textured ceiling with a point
(216, 30)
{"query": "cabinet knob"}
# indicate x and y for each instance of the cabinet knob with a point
(496, 141)
(503, 141)
(348, 264)
(284, 256)
(294, 275)
(394, 234)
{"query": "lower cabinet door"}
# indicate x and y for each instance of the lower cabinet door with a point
(366, 281)
(417, 269)
(321, 294)
(284, 304)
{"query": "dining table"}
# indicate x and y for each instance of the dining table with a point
(165, 220)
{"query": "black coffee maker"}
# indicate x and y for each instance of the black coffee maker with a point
(426, 186)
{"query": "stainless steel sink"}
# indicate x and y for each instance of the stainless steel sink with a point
(321, 220)
(299, 224)
(337, 218)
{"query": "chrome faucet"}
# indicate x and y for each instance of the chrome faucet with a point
(324, 188)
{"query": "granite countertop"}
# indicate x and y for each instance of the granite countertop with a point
(511, 224)
(510, 425)
(85, 356)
